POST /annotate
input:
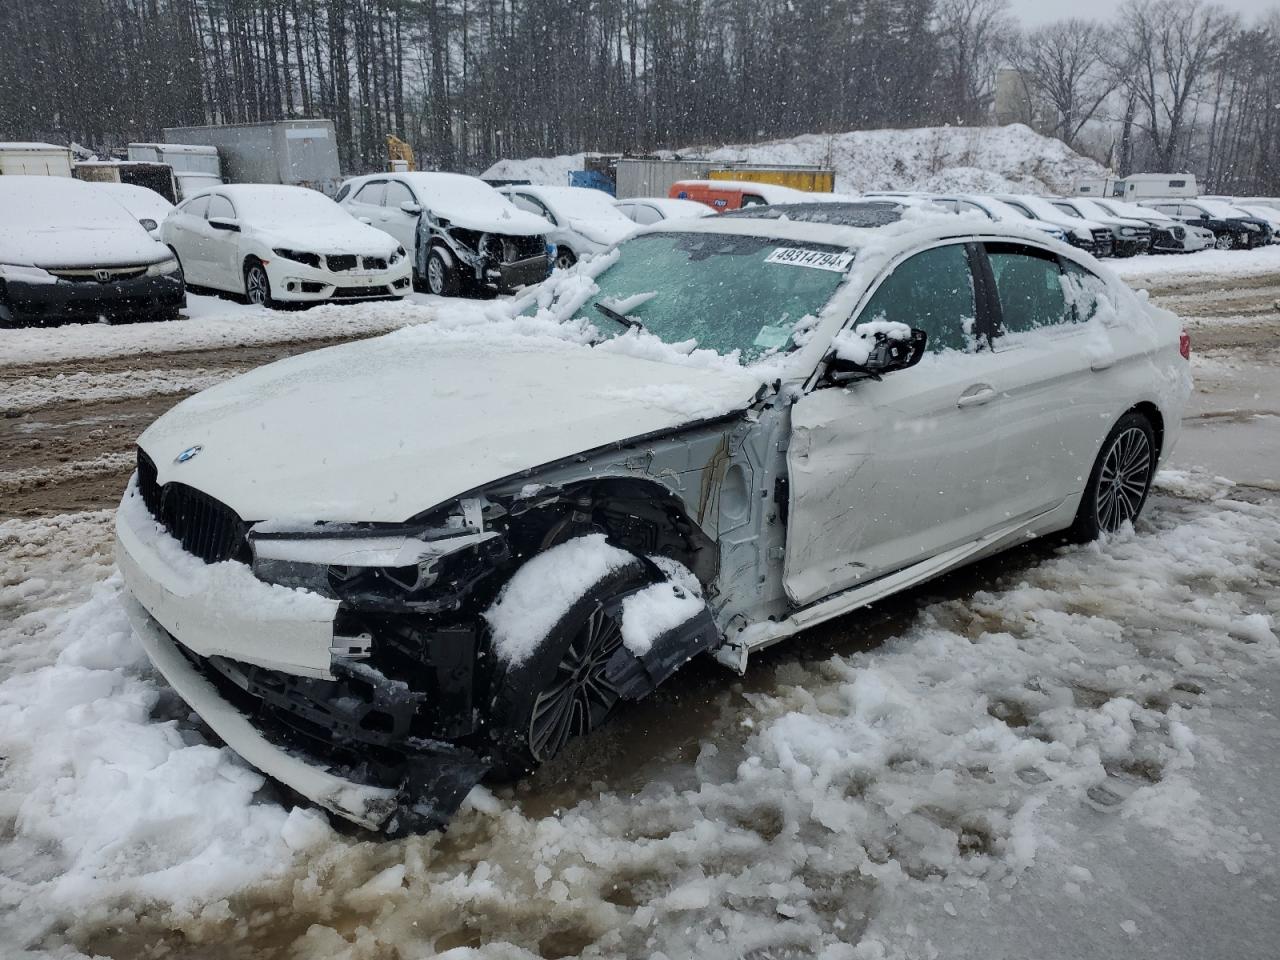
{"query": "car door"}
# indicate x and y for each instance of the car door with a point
(185, 232)
(366, 203)
(885, 474)
(394, 219)
(223, 259)
(1051, 358)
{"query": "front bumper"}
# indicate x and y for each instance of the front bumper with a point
(139, 298)
(292, 281)
(508, 277)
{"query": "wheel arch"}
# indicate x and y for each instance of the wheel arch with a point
(1152, 412)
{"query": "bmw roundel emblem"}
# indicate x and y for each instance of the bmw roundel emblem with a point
(188, 454)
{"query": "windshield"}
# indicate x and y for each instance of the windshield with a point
(725, 292)
(580, 203)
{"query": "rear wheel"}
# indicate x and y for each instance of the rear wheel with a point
(561, 692)
(1120, 479)
(257, 286)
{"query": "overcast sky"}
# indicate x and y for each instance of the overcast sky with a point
(1035, 12)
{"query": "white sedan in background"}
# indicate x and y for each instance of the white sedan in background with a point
(586, 222)
(650, 210)
(276, 244)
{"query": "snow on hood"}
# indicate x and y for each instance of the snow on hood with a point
(472, 204)
(61, 222)
(380, 430)
(607, 232)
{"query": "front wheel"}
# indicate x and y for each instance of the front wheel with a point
(442, 278)
(1223, 241)
(257, 286)
(561, 692)
(1120, 479)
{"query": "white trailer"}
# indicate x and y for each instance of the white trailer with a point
(195, 166)
(1152, 186)
(39, 159)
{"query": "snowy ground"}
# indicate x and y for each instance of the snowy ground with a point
(1060, 753)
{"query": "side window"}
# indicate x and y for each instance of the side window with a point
(342, 194)
(220, 206)
(933, 292)
(1067, 209)
(197, 207)
(397, 193)
(644, 214)
(1029, 284)
(753, 200)
(966, 206)
(531, 205)
(1169, 208)
(1025, 211)
(371, 193)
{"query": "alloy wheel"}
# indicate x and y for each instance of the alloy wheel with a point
(435, 276)
(1123, 480)
(579, 696)
(256, 288)
(1224, 242)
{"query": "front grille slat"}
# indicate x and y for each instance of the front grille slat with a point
(205, 527)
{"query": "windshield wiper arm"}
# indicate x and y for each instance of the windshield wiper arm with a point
(617, 317)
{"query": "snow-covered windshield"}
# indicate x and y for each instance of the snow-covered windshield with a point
(725, 292)
(1223, 211)
(1133, 211)
(580, 203)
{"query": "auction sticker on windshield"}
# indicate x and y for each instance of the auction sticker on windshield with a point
(818, 259)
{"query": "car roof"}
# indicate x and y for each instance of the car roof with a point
(863, 215)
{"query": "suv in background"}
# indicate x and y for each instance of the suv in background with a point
(1089, 235)
(1233, 228)
(1132, 236)
(462, 233)
(1167, 234)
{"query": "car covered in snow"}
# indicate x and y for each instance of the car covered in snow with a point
(997, 210)
(1233, 228)
(70, 252)
(1089, 235)
(583, 221)
(283, 244)
(385, 570)
(647, 211)
(1132, 234)
(464, 236)
(1167, 234)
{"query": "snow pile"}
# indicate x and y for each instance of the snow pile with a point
(655, 610)
(939, 769)
(34, 392)
(543, 590)
(1011, 159)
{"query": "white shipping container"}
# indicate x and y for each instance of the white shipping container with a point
(34, 159)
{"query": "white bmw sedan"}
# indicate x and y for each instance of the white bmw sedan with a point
(283, 244)
(384, 570)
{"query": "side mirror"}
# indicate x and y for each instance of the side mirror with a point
(411, 208)
(224, 223)
(148, 224)
(366, 221)
(871, 350)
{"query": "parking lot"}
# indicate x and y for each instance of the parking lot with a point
(1008, 762)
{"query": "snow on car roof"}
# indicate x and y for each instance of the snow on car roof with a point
(838, 214)
(138, 200)
(38, 202)
(272, 203)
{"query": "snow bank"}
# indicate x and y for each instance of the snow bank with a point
(1189, 267)
(1067, 698)
(35, 392)
(1011, 159)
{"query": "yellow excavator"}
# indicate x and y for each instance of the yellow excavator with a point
(399, 155)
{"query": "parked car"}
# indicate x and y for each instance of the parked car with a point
(1132, 235)
(1089, 235)
(1233, 229)
(143, 203)
(69, 252)
(463, 234)
(997, 210)
(1167, 234)
(1268, 215)
(650, 210)
(283, 244)
(478, 576)
(583, 221)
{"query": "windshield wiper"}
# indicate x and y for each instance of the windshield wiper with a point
(617, 317)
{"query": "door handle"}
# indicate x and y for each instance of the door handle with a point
(976, 396)
(1102, 363)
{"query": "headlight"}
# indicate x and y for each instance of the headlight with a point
(298, 256)
(1083, 235)
(399, 255)
(1179, 233)
(20, 273)
(1128, 232)
(163, 268)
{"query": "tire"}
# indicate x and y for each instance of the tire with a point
(1120, 480)
(565, 258)
(1224, 241)
(442, 278)
(559, 693)
(257, 285)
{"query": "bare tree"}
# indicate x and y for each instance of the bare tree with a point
(975, 33)
(1170, 47)
(1067, 66)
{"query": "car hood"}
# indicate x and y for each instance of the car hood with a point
(92, 245)
(355, 237)
(511, 221)
(383, 429)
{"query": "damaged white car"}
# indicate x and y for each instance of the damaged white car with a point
(385, 570)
